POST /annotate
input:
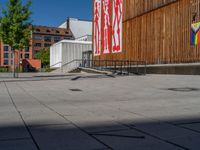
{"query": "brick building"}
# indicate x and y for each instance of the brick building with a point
(44, 37)
(41, 37)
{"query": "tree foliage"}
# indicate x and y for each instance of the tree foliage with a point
(44, 56)
(15, 24)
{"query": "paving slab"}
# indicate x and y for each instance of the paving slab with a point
(18, 145)
(193, 126)
(13, 132)
(59, 118)
(165, 131)
(64, 137)
(11, 124)
(190, 142)
(95, 123)
(43, 119)
(117, 142)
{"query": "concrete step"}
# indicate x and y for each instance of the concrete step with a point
(91, 70)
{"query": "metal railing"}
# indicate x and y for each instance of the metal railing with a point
(122, 67)
(56, 64)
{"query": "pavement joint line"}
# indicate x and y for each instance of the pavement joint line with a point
(176, 125)
(93, 135)
(156, 137)
(105, 131)
(134, 127)
(135, 113)
(118, 135)
(23, 79)
(186, 123)
(102, 149)
(28, 80)
(167, 122)
(25, 125)
(48, 125)
(131, 128)
(156, 120)
(15, 139)
(187, 128)
(81, 129)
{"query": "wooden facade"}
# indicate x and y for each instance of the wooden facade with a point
(158, 31)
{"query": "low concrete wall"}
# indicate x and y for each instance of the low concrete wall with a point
(180, 69)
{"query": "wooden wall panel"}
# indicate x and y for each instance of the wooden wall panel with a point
(160, 36)
(133, 8)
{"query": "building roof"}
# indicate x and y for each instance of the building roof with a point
(55, 31)
(73, 41)
(79, 28)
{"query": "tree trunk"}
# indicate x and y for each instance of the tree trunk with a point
(14, 72)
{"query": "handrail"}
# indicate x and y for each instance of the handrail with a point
(67, 63)
(120, 66)
(56, 64)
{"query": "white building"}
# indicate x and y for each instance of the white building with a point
(66, 53)
(79, 28)
(85, 38)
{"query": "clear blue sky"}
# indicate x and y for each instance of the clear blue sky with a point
(54, 12)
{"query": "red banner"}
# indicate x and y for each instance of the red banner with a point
(97, 28)
(106, 26)
(117, 26)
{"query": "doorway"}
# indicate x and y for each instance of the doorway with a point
(87, 59)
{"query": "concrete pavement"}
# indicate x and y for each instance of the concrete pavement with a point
(153, 112)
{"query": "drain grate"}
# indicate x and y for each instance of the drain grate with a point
(75, 90)
(184, 89)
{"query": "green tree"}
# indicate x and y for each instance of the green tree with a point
(44, 56)
(15, 25)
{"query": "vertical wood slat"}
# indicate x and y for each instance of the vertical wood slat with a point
(135, 8)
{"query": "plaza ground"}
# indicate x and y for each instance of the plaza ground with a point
(99, 112)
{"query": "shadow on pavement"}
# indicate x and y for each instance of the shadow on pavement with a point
(174, 134)
(54, 77)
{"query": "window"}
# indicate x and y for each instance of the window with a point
(26, 49)
(5, 55)
(67, 32)
(47, 45)
(37, 37)
(21, 56)
(48, 31)
(47, 39)
(57, 31)
(5, 62)
(27, 56)
(6, 48)
(67, 38)
(57, 39)
(37, 44)
(37, 30)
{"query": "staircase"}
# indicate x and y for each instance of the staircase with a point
(116, 67)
